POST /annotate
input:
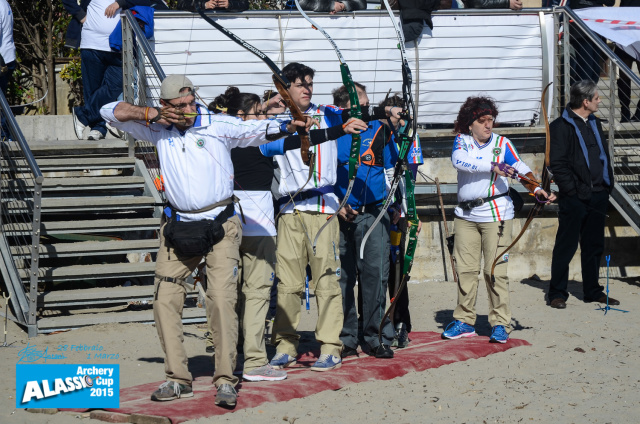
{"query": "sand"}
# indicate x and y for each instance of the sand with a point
(581, 367)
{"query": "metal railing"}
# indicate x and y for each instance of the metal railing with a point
(20, 218)
(142, 78)
(583, 54)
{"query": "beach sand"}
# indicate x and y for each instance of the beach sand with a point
(581, 367)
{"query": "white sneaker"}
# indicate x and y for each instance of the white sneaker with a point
(78, 126)
(95, 135)
(115, 131)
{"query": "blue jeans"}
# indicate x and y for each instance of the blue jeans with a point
(102, 84)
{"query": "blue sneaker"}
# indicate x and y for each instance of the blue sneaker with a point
(282, 360)
(499, 335)
(458, 329)
(327, 362)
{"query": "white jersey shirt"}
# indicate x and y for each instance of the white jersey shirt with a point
(294, 173)
(257, 209)
(196, 164)
(476, 179)
(7, 46)
(97, 28)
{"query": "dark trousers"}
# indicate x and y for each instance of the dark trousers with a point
(585, 60)
(624, 84)
(373, 272)
(401, 308)
(101, 84)
(579, 221)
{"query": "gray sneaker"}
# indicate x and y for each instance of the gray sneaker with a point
(226, 395)
(170, 390)
(265, 373)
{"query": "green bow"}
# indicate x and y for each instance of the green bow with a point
(356, 112)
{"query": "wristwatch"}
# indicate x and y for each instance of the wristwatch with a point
(157, 117)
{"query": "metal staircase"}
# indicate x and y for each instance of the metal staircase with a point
(624, 137)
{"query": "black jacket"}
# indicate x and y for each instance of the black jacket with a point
(192, 5)
(327, 5)
(568, 164)
(486, 4)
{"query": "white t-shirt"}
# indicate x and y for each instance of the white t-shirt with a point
(97, 28)
(257, 207)
(7, 47)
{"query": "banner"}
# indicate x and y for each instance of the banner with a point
(501, 56)
(619, 24)
(67, 386)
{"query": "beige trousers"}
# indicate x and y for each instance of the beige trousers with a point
(293, 253)
(222, 295)
(258, 258)
(474, 241)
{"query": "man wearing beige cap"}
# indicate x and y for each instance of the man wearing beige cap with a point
(193, 148)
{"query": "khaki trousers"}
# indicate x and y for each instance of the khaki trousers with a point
(473, 241)
(293, 253)
(222, 295)
(258, 258)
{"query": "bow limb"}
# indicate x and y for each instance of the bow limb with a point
(404, 137)
(408, 262)
(544, 185)
(281, 82)
(356, 112)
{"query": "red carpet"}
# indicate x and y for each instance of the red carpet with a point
(427, 350)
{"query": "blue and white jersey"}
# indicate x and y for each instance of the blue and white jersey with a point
(476, 179)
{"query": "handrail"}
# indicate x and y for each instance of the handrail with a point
(144, 44)
(24, 304)
(368, 12)
(16, 133)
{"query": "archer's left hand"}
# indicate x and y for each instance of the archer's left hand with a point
(547, 198)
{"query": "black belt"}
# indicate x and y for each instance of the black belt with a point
(467, 206)
(305, 195)
(368, 207)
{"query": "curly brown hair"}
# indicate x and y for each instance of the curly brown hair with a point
(472, 109)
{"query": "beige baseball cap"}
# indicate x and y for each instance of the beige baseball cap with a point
(173, 84)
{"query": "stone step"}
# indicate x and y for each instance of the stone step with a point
(83, 204)
(51, 324)
(80, 183)
(85, 227)
(68, 148)
(92, 272)
(76, 163)
(100, 296)
(89, 248)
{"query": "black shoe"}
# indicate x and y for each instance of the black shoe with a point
(382, 351)
(603, 299)
(558, 303)
(401, 339)
(348, 351)
(210, 349)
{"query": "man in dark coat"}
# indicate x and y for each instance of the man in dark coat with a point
(581, 167)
